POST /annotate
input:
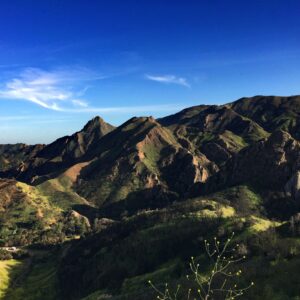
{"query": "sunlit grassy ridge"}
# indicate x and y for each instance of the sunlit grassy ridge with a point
(59, 192)
(232, 140)
(6, 274)
(260, 224)
(33, 281)
(211, 209)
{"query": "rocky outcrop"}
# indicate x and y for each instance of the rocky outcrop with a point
(266, 164)
(78, 218)
(292, 187)
(271, 112)
(215, 152)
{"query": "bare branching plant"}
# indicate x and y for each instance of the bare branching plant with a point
(220, 282)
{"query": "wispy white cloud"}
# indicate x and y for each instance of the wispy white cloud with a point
(63, 90)
(55, 89)
(169, 79)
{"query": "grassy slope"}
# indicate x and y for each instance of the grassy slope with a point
(30, 208)
(161, 244)
(59, 192)
(30, 279)
(38, 209)
(162, 241)
(275, 277)
(6, 274)
(38, 284)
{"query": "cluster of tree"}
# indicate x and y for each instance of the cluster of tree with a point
(22, 234)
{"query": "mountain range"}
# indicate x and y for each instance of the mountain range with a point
(113, 207)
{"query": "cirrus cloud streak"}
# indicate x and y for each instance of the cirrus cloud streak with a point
(169, 79)
(56, 89)
(62, 90)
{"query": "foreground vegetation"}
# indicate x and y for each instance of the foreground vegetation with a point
(117, 260)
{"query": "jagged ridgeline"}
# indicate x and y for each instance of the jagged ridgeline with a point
(111, 207)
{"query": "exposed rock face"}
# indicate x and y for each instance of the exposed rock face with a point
(217, 131)
(184, 169)
(74, 215)
(217, 119)
(103, 223)
(216, 152)
(267, 164)
(292, 187)
(272, 113)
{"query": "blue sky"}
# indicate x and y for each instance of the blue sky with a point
(63, 62)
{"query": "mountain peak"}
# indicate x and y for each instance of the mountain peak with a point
(94, 123)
